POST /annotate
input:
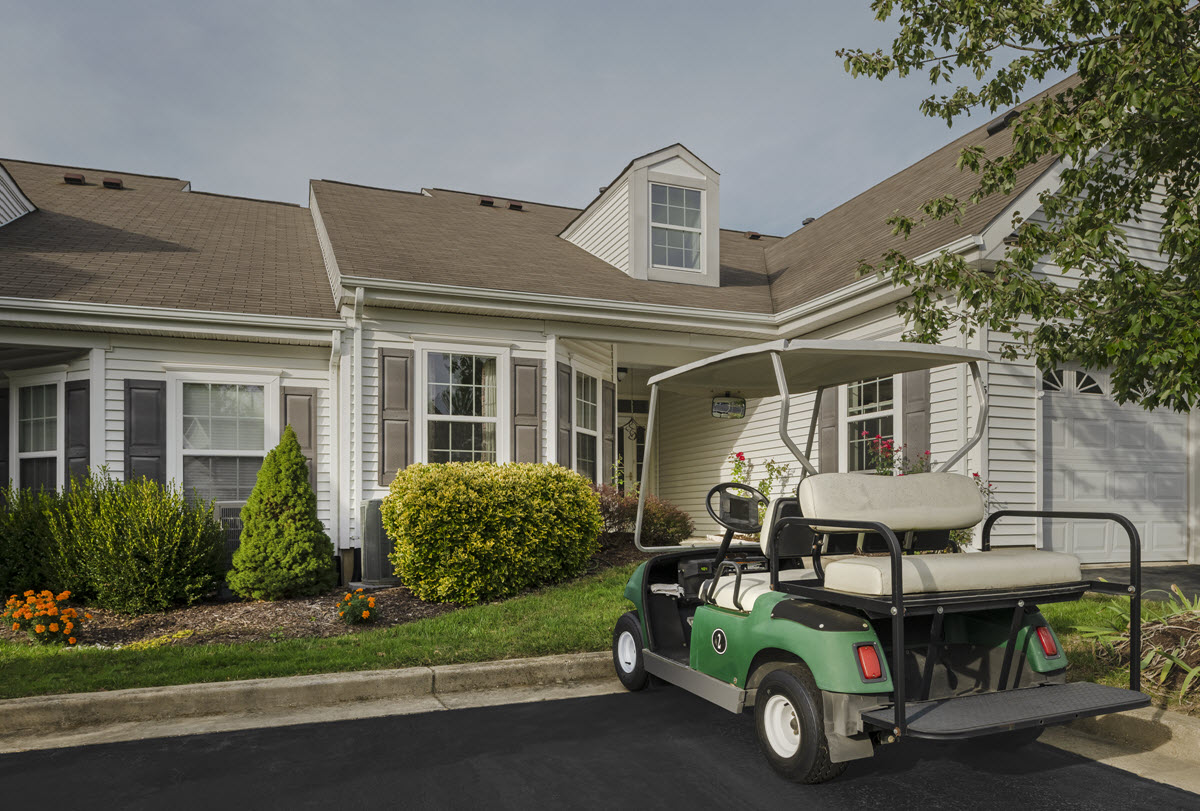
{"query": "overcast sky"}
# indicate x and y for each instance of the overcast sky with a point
(542, 101)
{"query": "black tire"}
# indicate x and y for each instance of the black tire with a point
(791, 730)
(627, 652)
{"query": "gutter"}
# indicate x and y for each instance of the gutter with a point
(67, 314)
(356, 417)
(335, 420)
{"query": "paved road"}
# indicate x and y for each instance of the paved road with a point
(657, 749)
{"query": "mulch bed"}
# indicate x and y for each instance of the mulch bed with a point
(235, 622)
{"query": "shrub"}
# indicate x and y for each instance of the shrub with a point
(356, 608)
(135, 546)
(473, 531)
(26, 544)
(664, 524)
(284, 551)
(42, 618)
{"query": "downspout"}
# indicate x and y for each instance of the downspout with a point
(335, 429)
(356, 417)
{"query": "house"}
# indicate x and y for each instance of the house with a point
(154, 330)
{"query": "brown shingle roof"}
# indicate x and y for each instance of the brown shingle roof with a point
(824, 255)
(154, 245)
(446, 237)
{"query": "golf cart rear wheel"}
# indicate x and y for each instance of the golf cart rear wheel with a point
(791, 731)
(627, 652)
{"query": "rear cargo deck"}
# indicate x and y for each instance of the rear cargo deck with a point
(986, 713)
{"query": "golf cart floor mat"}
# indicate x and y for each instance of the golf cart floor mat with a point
(985, 713)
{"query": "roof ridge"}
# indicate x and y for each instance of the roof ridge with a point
(365, 186)
(92, 169)
(250, 199)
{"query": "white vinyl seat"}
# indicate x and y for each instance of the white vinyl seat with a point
(754, 585)
(930, 502)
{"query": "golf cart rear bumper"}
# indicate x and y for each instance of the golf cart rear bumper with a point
(988, 713)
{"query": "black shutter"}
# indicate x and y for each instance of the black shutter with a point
(827, 426)
(564, 414)
(5, 473)
(916, 414)
(77, 394)
(146, 429)
(395, 412)
(298, 408)
(608, 431)
(527, 410)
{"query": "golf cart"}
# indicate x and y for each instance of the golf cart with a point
(844, 628)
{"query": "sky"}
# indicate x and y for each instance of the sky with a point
(538, 101)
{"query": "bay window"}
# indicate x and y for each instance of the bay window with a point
(223, 438)
(587, 424)
(461, 407)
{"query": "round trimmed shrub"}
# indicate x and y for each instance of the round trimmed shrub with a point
(473, 531)
(284, 551)
(26, 543)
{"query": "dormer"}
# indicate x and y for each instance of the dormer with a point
(658, 220)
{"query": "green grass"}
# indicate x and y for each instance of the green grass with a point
(1095, 612)
(571, 618)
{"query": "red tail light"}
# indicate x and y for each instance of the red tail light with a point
(1046, 637)
(868, 662)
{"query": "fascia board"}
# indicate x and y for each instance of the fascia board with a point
(66, 314)
(559, 307)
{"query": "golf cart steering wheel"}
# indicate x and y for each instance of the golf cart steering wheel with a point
(737, 512)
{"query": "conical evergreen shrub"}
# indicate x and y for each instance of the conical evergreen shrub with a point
(284, 550)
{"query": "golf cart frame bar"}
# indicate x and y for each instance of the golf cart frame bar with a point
(897, 605)
(938, 356)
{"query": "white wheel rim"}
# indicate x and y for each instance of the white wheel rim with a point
(782, 726)
(627, 651)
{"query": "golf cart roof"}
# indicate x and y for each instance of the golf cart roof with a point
(807, 365)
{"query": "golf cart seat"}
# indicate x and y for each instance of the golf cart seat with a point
(753, 586)
(923, 502)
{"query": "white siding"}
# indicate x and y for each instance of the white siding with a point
(139, 358)
(13, 203)
(605, 234)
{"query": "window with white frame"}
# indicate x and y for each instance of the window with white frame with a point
(587, 423)
(870, 417)
(38, 436)
(675, 230)
(461, 407)
(223, 439)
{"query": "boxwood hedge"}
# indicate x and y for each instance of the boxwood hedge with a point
(474, 531)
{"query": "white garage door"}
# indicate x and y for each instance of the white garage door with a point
(1098, 455)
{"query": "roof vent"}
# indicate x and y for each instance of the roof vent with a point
(73, 179)
(486, 201)
(513, 205)
(603, 189)
(753, 235)
(1002, 123)
(807, 220)
(113, 183)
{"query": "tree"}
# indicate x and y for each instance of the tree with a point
(284, 551)
(1125, 134)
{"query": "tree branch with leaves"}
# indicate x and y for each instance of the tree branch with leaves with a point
(1123, 135)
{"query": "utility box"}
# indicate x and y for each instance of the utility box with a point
(377, 570)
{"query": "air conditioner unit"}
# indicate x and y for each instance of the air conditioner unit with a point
(377, 570)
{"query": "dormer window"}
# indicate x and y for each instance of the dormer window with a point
(676, 230)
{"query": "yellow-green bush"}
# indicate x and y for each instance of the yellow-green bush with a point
(467, 532)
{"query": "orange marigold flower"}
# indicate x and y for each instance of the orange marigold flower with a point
(16, 626)
(358, 591)
(39, 629)
(366, 614)
(71, 640)
(28, 593)
(371, 602)
(54, 627)
(89, 616)
(69, 627)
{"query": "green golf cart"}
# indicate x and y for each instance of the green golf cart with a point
(849, 626)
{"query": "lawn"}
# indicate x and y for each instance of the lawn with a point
(570, 618)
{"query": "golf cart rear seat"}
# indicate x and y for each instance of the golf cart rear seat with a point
(922, 502)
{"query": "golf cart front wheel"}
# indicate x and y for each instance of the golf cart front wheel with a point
(627, 652)
(791, 731)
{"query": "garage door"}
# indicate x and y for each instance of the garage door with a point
(1098, 455)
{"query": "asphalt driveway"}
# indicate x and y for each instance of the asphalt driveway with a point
(661, 748)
